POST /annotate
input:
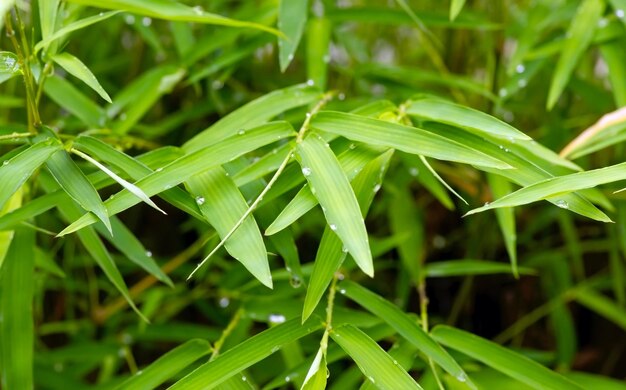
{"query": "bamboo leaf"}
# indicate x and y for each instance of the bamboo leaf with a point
(332, 189)
(467, 267)
(16, 311)
(71, 99)
(373, 361)
(77, 25)
(578, 38)
(6, 237)
(316, 376)
(16, 170)
(253, 114)
(403, 324)
(502, 359)
(168, 365)
(244, 355)
(331, 252)
(223, 205)
(439, 110)
(319, 31)
(455, 8)
(292, 15)
(602, 305)
(404, 138)
(506, 218)
(189, 165)
(556, 187)
(172, 10)
(76, 68)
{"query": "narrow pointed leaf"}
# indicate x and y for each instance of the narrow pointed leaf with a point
(292, 15)
(16, 311)
(502, 359)
(331, 253)
(253, 114)
(373, 361)
(6, 237)
(318, 36)
(16, 170)
(167, 366)
(578, 38)
(506, 218)
(558, 186)
(316, 376)
(172, 10)
(223, 205)
(404, 138)
(77, 25)
(244, 355)
(602, 305)
(439, 110)
(76, 68)
(71, 99)
(73, 181)
(191, 164)
(332, 189)
(403, 324)
(466, 267)
(455, 7)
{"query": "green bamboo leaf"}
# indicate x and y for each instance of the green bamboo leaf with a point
(352, 162)
(29, 210)
(16, 310)
(319, 31)
(373, 361)
(292, 15)
(48, 11)
(67, 96)
(73, 181)
(465, 267)
(14, 202)
(77, 25)
(591, 381)
(455, 8)
(331, 252)
(405, 325)
(332, 189)
(404, 138)
(578, 38)
(9, 65)
(172, 10)
(557, 186)
(602, 305)
(16, 170)
(244, 355)
(189, 165)
(506, 218)
(223, 205)
(253, 114)
(439, 110)
(502, 359)
(137, 169)
(78, 69)
(615, 59)
(129, 186)
(167, 366)
(317, 375)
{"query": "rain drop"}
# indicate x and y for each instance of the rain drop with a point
(522, 83)
(244, 378)
(241, 132)
(620, 13)
(562, 204)
(342, 291)
(146, 21)
(414, 171)
(6, 162)
(276, 318)
(520, 68)
(287, 379)
(344, 249)
(310, 82)
(290, 57)
(199, 200)
(217, 84)
(198, 10)
(352, 146)
(341, 96)
(159, 169)
(149, 253)
(462, 377)
(295, 281)
(224, 302)
(306, 171)
(333, 227)
(502, 92)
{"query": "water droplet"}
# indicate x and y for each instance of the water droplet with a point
(306, 171)
(619, 13)
(146, 21)
(486, 204)
(503, 92)
(198, 10)
(371, 378)
(562, 204)
(6, 162)
(462, 377)
(377, 188)
(344, 249)
(241, 132)
(308, 114)
(199, 200)
(506, 150)
(522, 83)
(520, 68)
(149, 253)
(290, 57)
(342, 291)
(276, 318)
(287, 379)
(310, 82)
(414, 171)
(139, 372)
(395, 362)
(217, 84)
(341, 96)
(159, 169)
(439, 242)
(333, 227)
(295, 281)
(501, 147)
(602, 23)
(313, 191)
(223, 302)
(129, 19)
(244, 378)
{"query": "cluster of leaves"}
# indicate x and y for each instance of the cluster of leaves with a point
(335, 145)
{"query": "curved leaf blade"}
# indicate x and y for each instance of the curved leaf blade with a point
(292, 15)
(78, 69)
